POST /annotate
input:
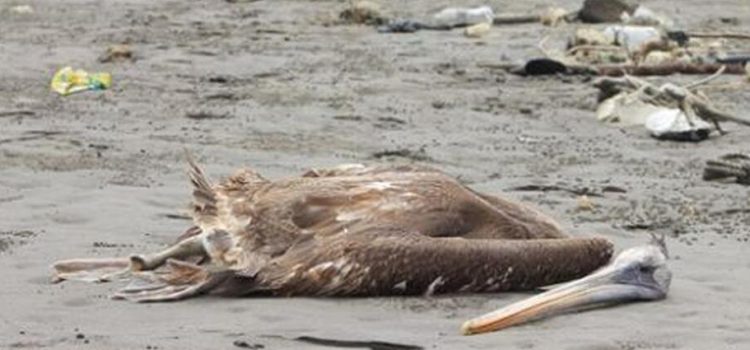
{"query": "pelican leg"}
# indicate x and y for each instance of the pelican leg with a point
(192, 246)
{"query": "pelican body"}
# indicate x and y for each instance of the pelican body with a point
(352, 231)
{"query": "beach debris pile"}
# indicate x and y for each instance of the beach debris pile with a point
(647, 46)
(637, 41)
(669, 111)
(733, 167)
(593, 11)
(69, 81)
(636, 50)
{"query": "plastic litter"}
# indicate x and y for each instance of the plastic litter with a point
(631, 37)
(667, 111)
(478, 30)
(68, 81)
(646, 17)
(673, 124)
(459, 16)
(22, 9)
(625, 110)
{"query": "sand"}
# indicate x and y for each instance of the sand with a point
(102, 173)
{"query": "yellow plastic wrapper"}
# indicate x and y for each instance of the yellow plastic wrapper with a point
(68, 81)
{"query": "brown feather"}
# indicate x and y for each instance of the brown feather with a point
(301, 223)
(387, 261)
(204, 197)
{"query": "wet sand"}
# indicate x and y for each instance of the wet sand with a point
(102, 173)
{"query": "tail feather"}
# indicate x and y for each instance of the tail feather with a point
(204, 196)
(177, 280)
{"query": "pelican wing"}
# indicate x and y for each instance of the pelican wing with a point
(390, 261)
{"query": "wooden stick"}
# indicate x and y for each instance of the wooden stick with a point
(500, 66)
(705, 109)
(20, 112)
(667, 69)
(742, 36)
(707, 79)
(730, 86)
(515, 19)
(593, 48)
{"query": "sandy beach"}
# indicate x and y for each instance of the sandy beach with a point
(279, 87)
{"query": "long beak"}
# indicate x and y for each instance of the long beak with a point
(591, 291)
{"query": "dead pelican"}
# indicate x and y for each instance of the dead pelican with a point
(363, 231)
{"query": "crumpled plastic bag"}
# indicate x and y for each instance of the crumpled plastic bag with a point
(68, 81)
(673, 124)
(625, 110)
(458, 16)
(643, 16)
(631, 37)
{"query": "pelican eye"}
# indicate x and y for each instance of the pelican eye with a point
(645, 269)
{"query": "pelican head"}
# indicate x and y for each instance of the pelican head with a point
(639, 273)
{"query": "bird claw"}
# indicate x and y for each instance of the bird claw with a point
(138, 263)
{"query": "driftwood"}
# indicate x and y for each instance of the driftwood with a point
(729, 168)
(742, 36)
(617, 70)
(516, 19)
(733, 66)
(666, 69)
(585, 191)
(19, 112)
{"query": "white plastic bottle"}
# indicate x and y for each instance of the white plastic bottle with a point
(459, 16)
